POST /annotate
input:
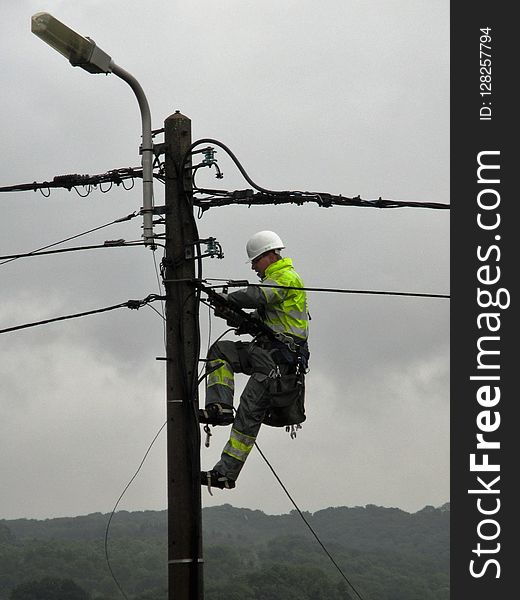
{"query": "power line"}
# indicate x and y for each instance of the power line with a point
(73, 237)
(107, 244)
(307, 523)
(249, 198)
(132, 304)
(342, 291)
(72, 181)
(245, 283)
(267, 196)
(216, 197)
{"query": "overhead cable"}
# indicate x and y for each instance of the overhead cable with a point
(132, 304)
(325, 200)
(107, 244)
(216, 197)
(73, 237)
(244, 283)
(340, 291)
(267, 196)
(71, 181)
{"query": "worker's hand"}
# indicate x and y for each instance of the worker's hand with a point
(233, 320)
(220, 307)
(242, 328)
(220, 311)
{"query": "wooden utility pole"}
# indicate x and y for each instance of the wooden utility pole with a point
(185, 569)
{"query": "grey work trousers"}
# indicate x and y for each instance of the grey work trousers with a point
(253, 360)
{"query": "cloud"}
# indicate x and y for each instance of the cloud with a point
(352, 100)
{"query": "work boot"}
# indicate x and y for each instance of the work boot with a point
(215, 479)
(216, 414)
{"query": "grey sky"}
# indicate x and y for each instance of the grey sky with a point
(343, 97)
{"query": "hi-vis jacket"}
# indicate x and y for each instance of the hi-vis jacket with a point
(283, 310)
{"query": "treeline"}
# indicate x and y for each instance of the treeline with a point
(387, 554)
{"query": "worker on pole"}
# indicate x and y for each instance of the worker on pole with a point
(276, 363)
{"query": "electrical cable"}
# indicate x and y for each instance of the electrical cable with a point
(267, 196)
(117, 504)
(132, 304)
(341, 291)
(108, 244)
(236, 161)
(307, 523)
(156, 267)
(231, 283)
(72, 181)
(73, 237)
(159, 313)
(215, 198)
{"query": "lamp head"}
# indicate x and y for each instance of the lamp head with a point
(78, 50)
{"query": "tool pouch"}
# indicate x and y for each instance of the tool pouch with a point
(287, 400)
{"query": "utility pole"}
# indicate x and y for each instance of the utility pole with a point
(185, 569)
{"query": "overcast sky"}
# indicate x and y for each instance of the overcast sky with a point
(344, 96)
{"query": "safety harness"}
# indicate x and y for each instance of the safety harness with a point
(287, 389)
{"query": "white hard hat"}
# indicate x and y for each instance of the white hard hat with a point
(261, 242)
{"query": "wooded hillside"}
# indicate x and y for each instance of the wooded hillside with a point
(386, 553)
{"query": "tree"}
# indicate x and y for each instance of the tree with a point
(49, 588)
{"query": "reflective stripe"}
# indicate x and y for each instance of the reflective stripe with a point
(281, 327)
(286, 310)
(271, 294)
(239, 445)
(221, 376)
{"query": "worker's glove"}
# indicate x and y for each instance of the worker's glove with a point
(242, 329)
(229, 315)
(220, 311)
(233, 320)
(220, 308)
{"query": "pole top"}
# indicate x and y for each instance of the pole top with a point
(177, 115)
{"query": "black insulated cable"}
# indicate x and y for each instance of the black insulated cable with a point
(73, 237)
(243, 283)
(267, 196)
(107, 244)
(132, 304)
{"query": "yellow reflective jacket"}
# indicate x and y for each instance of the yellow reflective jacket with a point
(283, 310)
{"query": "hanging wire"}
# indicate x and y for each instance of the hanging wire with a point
(107, 529)
(159, 313)
(311, 529)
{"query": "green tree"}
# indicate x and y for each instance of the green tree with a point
(49, 588)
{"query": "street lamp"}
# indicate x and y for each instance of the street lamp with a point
(83, 52)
